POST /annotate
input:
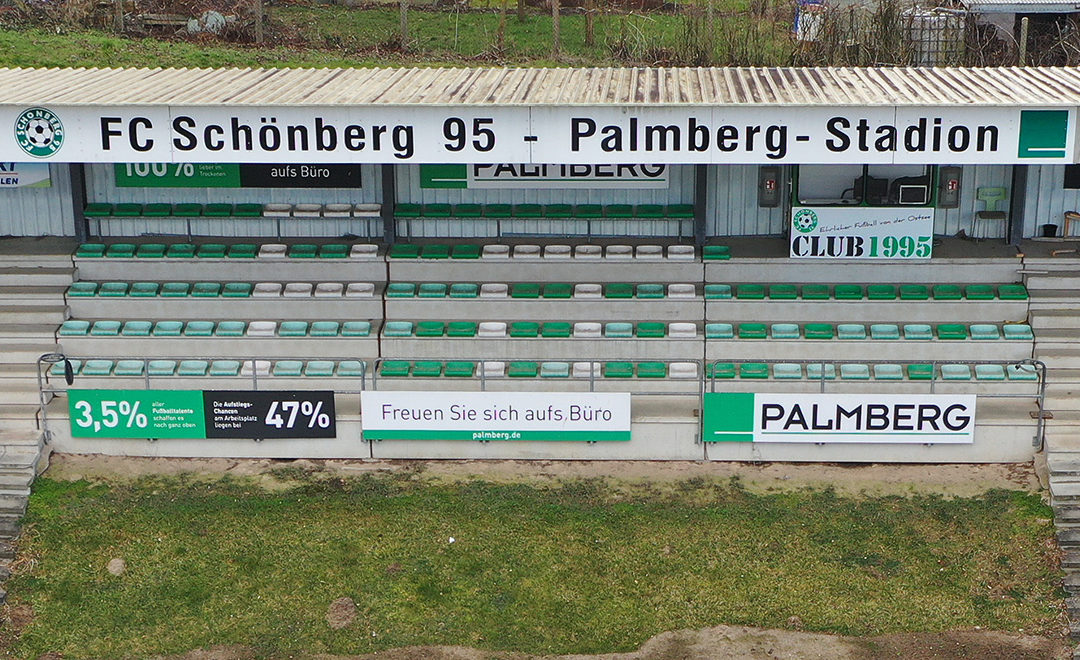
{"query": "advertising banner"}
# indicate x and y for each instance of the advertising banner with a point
(198, 414)
(861, 232)
(25, 175)
(235, 175)
(839, 418)
(539, 177)
(544, 416)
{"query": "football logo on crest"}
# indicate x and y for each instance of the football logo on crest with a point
(39, 132)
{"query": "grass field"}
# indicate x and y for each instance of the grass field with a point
(576, 567)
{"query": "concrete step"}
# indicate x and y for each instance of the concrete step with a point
(27, 352)
(16, 506)
(1070, 559)
(21, 438)
(1061, 279)
(1064, 491)
(1066, 513)
(28, 275)
(1063, 464)
(17, 419)
(34, 314)
(1062, 317)
(26, 396)
(10, 526)
(1058, 357)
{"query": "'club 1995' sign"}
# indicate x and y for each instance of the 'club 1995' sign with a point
(825, 232)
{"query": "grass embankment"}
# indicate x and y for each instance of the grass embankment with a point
(581, 567)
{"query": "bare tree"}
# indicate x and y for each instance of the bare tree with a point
(556, 48)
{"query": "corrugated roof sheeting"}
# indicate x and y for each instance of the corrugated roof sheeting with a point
(532, 87)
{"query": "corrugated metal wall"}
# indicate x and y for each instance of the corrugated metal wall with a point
(949, 221)
(39, 211)
(1047, 199)
(732, 208)
(101, 187)
(680, 191)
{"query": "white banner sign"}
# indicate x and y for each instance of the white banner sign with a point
(847, 418)
(546, 416)
(24, 175)
(542, 134)
(541, 177)
(861, 232)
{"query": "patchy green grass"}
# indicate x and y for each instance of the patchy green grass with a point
(577, 568)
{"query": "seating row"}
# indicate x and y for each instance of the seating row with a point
(555, 252)
(157, 368)
(950, 292)
(523, 290)
(859, 371)
(76, 328)
(84, 289)
(575, 211)
(223, 251)
(185, 210)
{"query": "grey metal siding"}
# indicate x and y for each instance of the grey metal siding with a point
(39, 211)
(732, 208)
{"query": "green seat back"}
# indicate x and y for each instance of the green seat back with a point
(82, 289)
(649, 211)
(464, 290)
(157, 210)
(427, 369)
(522, 369)
(287, 368)
(558, 211)
(211, 251)
(750, 292)
(435, 251)
(752, 331)
(247, 210)
(719, 331)
(351, 368)
(497, 210)
(717, 291)
(180, 251)
(525, 290)
(97, 368)
(217, 210)
(881, 292)
(920, 371)
(848, 292)
(97, 210)
(400, 290)
(652, 370)
(716, 253)
(236, 290)
(1012, 292)
(113, 289)
(394, 368)
(783, 292)
(324, 328)
(650, 291)
(205, 290)
(555, 329)
(225, 368)
(651, 330)
(524, 329)
(143, 289)
(952, 331)
(435, 210)
(120, 251)
(407, 210)
(127, 210)
(430, 329)
(404, 251)
(818, 331)
(334, 251)
(90, 251)
(680, 211)
(618, 211)
(192, 368)
(979, 292)
(467, 210)
(161, 367)
(465, 251)
(618, 330)
(150, 251)
(461, 329)
(720, 370)
(303, 251)
(174, 290)
(319, 368)
(431, 290)
(914, 292)
(137, 328)
(947, 292)
(815, 292)
(618, 369)
(527, 211)
(231, 328)
(199, 329)
(588, 211)
(558, 290)
(105, 328)
(619, 290)
(293, 329)
(188, 210)
(168, 328)
(459, 369)
(753, 370)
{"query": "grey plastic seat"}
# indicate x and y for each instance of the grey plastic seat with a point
(885, 331)
(888, 372)
(129, 368)
(787, 371)
(319, 368)
(161, 367)
(192, 368)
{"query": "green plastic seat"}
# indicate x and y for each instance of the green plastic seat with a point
(73, 328)
(199, 329)
(815, 292)
(588, 211)
(618, 369)
(522, 369)
(58, 368)
(128, 210)
(407, 210)
(400, 290)
(881, 292)
(719, 331)
(885, 331)
(333, 251)
(619, 290)
(558, 290)
(819, 371)
(985, 331)
(525, 290)
(287, 368)
(787, 371)
(120, 251)
(105, 328)
(554, 369)
(431, 290)
(97, 210)
(211, 251)
(217, 210)
(137, 329)
(785, 331)
(129, 368)
(753, 331)
(180, 251)
(430, 329)
(888, 372)
(394, 368)
(524, 329)
(464, 290)
(952, 331)
(303, 251)
(717, 291)
(848, 292)
(161, 367)
(723, 370)
(558, 211)
(351, 369)
(247, 210)
(168, 328)
(652, 370)
(979, 292)
(242, 251)
(205, 290)
(236, 290)
(143, 289)
(849, 331)
(461, 329)
(649, 211)
(319, 368)
(618, 211)
(427, 369)
(436, 210)
(97, 368)
(465, 251)
(90, 251)
(157, 210)
(459, 369)
(914, 292)
(174, 290)
(753, 370)
(653, 291)
(435, 251)
(854, 372)
(82, 289)
(1017, 332)
(555, 329)
(225, 368)
(1021, 372)
(293, 329)
(231, 328)
(750, 292)
(992, 372)
(497, 210)
(397, 329)
(920, 371)
(716, 253)
(618, 330)
(324, 329)
(467, 210)
(192, 368)
(651, 330)
(150, 251)
(679, 211)
(947, 292)
(1012, 292)
(113, 289)
(918, 332)
(783, 292)
(955, 372)
(187, 210)
(404, 251)
(527, 211)
(818, 331)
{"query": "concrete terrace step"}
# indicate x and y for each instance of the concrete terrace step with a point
(1063, 357)
(1056, 279)
(37, 275)
(24, 332)
(33, 314)
(1056, 318)
(15, 505)
(27, 352)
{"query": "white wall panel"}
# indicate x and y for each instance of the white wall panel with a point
(39, 211)
(1047, 199)
(732, 208)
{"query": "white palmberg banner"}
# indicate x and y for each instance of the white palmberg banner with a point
(486, 416)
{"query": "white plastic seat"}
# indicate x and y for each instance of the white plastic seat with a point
(493, 369)
(619, 252)
(491, 329)
(649, 252)
(683, 370)
(297, 290)
(277, 210)
(329, 289)
(682, 330)
(273, 251)
(360, 290)
(256, 367)
(493, 290)
(526, 251)
(364, 251)
(588, 252)
(338, 210)
(262, 329)
(680, 252)
(266, 290)
(588, 291)
(496, 251)
(588, 330)
(367, 210)
(557, 252)
(307, 210)
(585, 369)
(680, 291)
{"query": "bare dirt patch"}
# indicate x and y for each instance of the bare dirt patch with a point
(341, 613)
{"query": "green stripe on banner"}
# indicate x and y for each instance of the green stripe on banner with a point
(541, 436)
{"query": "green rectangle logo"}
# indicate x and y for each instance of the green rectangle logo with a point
(136, 413)
(729, 417)
(444, 176)
(1043, 134)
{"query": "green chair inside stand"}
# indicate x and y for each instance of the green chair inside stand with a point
(618, 369)
(459, 369)
(180, 251)
(989, 196)
(334, 251)
(881, 292)
(952, 331)
(293, 329)
(785, 331)
(188, 210)
(398, 329)
(404, 251)
(464, 290)
(467, 210)
(783, 292)
(680, 211)
(525, 290)
(497, 210)
(150, 251)
(205, 290)
(1012, 292)
(618, 211)
(247, 210)
(97, 368)
(588, 211)
(619, 290)
(918, 332)
(947, 292)
(427, 369)
(555, 330)
(979, 292)
(885, 331)
(231, 329)
(394, 368)
(157, 210)
(717, 291)
(120, 251)
(287, 368)
(818, 331)
(849, 331)
(985, 332)
(993, 372)
(242, 251)
(351, 368)
(97, 210)
(955, 372)
(652, 370)
(127, 210)
(435, 210)
(815, 292)
(719, 331)
(236, 290)
(174, 290)
(914, 292)
(192, 368)
(750, 292)
(324, 329)
(754, 370)
(819, 371)
(161, 368)
(920, 371)
(848, 292)
(650, 291)
(435, 251)
(319, 368)
(888, 372)
(716, 253)
(105, 328)
(461, 329)
(558, 290)
(90, 251)
(303, 251)
(558, 211)
(1022, 372)
(524, 329)
(723, 370)
(649, 211)
(753, 331)
(430, 329)
(651, 330)
(787, 371)
(225, 368)
(113, 289)
(407, 210)
(1017, 332)
(211, 251)
(431, 290)
(522, 369)
(355, 329)
(82, 289)
(465, 251)
(527, 211)
(74, 328)
(199, 329)
(554, 369)
(168, 328)
(618, 330)
(400, 290)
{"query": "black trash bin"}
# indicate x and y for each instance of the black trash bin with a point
(1049, 231)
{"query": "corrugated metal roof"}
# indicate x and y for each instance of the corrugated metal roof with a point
(538, 87)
